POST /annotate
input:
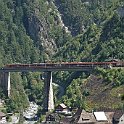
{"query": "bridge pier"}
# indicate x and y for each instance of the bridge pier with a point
(5, 82)
(48, 92)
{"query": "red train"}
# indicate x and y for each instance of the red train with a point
(68, 64)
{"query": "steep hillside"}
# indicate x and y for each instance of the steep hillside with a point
(78, 15)
(36, 31)
(101, 89)
(102, 94)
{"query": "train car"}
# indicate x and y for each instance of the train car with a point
(68, 64)
(18, 65)
(13, 65)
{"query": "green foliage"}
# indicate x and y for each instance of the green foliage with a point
(8, 118)
(42, 118)
(115, 76)
(80, 14)
(75, 94)
(98, 34)
(18, 98)
(2, 95)
(122, 97)
(33, 86)
(11, 106)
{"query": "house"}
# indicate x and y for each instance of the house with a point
(118, 117)
(108, 112)
(61, 108)
(2, 118)
(103, 116)
(52, 118)
(83, 117)
(109, 116)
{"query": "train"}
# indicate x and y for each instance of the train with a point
(67, 64)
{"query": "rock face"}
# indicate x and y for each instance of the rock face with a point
(38, 30)
(59, 19)
(39, 23)
(43, 18)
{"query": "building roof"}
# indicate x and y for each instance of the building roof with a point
(76, 115)
(63, 105)
(2, 114)
(109, 116)
(83, 117)
(100, 116)
(65, 120)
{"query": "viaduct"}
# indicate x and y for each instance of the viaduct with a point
(48, 68)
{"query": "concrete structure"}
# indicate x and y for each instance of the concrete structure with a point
(5, 82)
(48, 92)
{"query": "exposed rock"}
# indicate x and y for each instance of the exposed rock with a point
(38, 30)
(59, 20)
(39, 27)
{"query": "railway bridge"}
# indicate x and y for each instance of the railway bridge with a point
(48, 68)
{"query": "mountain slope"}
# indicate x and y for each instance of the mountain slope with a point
(59, 30)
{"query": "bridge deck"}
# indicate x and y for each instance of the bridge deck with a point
(47, 69)
(64, 66)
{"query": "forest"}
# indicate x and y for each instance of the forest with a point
(38, 31)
